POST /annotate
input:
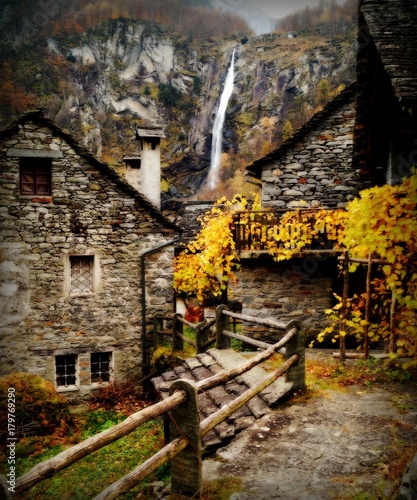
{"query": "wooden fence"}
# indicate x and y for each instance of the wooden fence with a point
(253, 231)
(185, 449)
(202, 330)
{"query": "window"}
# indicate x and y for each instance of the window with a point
(82, 273)
(35, 176)
(100, 367)
(66, 370)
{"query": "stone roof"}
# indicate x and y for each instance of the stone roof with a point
(347, 95)
(38, 117)
(392, 26)
(150, 131)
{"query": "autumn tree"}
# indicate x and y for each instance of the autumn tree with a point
(381, 226)
(287, 130)
(208, 263)
(13, 98)
(323, 92)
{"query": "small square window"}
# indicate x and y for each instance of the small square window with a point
(35, 176)
(100, 367)
(82, 273)
(66, 370)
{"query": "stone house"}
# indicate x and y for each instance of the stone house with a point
(86, 260)
(385, 139)
(364, 137)
(311, 169)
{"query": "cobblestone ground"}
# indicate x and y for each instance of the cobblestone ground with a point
(340, 445)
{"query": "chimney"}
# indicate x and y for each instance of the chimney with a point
(143, 169)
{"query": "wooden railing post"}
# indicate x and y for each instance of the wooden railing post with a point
(200, 336)
(157, 327)
(186, 466)
(296, 345)
(222, 323)
(4, 489)
(177, 327)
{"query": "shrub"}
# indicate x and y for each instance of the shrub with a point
(37, 401)
(163, 359)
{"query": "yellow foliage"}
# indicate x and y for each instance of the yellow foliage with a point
(287, 130)
(382, 222)
(210, 260)
(268, 123)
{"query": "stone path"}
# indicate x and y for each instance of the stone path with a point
(341, 445)
(210, 363)
(337, 446)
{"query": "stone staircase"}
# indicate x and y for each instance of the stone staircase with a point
(210, 363)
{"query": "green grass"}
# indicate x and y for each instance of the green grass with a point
(92, 474)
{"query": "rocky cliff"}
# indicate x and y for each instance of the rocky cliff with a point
(104, 81)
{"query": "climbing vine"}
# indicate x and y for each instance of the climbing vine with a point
(206, 265)
(380, 225)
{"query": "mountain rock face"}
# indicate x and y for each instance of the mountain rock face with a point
(122, 73)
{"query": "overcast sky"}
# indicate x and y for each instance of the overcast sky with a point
(261, 14)
(280, 8)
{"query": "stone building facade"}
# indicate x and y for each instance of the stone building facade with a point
(385, 142)
(313, 168)
(364, 137)
(86, 261)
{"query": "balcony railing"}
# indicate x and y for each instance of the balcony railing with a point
(254, 232)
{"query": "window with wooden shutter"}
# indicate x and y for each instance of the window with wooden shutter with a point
(35, 176)
(82, 273)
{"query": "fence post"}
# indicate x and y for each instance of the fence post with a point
(222, 323)
(186, 466)
(296, 345)
(200, 336)
(4, 489)
(157, 327)
(177, 327)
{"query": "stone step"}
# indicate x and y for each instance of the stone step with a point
(228, 359)
(210, 363)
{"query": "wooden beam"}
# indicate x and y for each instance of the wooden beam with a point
(127, 482)
(367, 307)
(80, 450)
(224, 377)
(364, 261)
(280, 325)
(216, 418)
(248, 340)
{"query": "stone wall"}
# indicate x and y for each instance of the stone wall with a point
(90, 212)
(299, 289)
(315, 168)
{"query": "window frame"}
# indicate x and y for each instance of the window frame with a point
(35, 167)
(73, 289)
(97, 273)
(75, 375)
(109, 362)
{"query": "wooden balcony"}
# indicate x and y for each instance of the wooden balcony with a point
(254, 232)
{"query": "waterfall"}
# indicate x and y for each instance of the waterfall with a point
(216, 147)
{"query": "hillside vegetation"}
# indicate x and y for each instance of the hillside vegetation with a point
(101, 68)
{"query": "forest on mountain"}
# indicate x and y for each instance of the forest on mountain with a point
(100, 68)
(326, 17)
